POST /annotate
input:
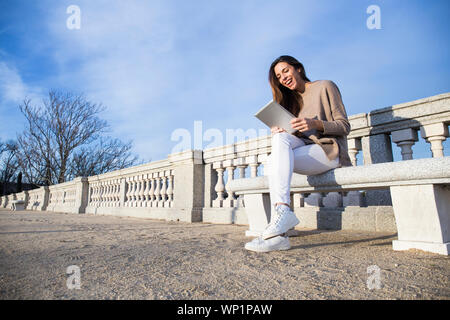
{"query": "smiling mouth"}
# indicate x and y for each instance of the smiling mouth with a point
(288, 82)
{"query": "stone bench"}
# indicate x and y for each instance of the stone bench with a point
(17, 205)
(420, 192)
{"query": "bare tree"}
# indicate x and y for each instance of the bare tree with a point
(8, 162)
(55, 131)
(108, 155)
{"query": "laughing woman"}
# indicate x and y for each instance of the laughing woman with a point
(318, 145)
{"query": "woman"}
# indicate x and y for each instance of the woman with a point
(318, 145)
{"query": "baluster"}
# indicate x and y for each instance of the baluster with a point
(435, 134)
(354, 146)
(120, 186)
(106, 196)
(170, 190)
(142, 190)
(262, 159)
(138, 191)
(157, 189)
(405, 139)
(145, 196)
(253, 163)
(314, 199)
(229, 202)
(298, 200)
(220, 187)
(332, 200)
(101, 194)
(353, 198)
(97, 194)
(112, 194)
(151, 193)
(91, 194)
(112, 186)
(106, 193)
(128, 193)
(133, 191)
(241, 165)
(163, 189)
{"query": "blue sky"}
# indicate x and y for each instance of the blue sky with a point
(158, 66)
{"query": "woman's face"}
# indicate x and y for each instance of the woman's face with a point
(288, 76)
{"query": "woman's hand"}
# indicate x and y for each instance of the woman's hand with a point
(276, 130)
(305, 124)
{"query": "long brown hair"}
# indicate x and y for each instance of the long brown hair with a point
(290, 99)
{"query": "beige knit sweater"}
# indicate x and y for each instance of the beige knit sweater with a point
(322, 101)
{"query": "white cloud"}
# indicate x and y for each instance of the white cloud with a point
(13, 89)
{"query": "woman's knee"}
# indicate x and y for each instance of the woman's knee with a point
(280, 135)
(280, 138)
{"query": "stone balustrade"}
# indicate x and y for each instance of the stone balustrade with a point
(146, 186)
(193, 185)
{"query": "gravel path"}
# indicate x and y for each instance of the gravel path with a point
(131, 258)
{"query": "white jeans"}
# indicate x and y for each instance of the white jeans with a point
(290, 154)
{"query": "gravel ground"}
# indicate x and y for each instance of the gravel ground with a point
(132, 258)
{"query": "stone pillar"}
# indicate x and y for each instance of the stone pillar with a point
(377, 149)
(81, 195)
(435, 134)
(189, 185)
(44, 195)
(405, 139)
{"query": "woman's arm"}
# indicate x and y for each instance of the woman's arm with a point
(334, 109)
(331, 97)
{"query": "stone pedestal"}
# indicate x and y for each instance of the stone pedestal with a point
(423, 217)
(258, 209)
(189, 184)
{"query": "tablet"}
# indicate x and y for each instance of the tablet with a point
(273, 114)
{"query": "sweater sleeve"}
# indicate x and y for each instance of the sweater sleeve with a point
(331, 98)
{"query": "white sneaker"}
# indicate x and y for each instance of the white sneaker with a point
(273, 244)
(281, 221)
